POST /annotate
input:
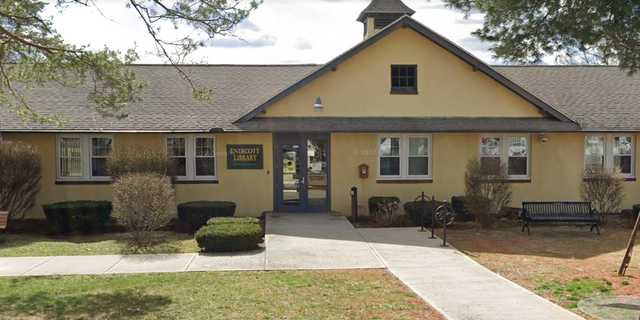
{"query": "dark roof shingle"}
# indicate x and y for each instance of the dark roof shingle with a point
(600, 98)
(168, 104)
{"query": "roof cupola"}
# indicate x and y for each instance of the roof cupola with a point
(381, 13)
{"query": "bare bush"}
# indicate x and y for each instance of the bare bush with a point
(143, 202)
(140, 159)
(20, 174)
(388, 214)
(487, 190)
(604, 188)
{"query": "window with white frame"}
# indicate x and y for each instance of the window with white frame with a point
(195, 156)
(83, 157)
(610, 151)
(513, 150)
(404, 157)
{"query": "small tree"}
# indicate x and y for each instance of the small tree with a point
(20, 174)
(143, 202)
(140, 159)
(604, 188)
(487, 190)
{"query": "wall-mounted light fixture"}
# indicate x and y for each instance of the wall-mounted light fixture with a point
(318, 107)
(542, 137)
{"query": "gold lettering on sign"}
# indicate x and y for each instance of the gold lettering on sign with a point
(245, 154)
(237, 151)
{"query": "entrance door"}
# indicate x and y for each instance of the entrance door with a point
(302, 173)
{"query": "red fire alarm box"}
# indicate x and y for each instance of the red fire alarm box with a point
(364, 171)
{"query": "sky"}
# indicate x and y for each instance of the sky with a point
(278, 32)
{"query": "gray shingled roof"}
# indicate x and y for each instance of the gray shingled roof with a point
(600, 98)
(168, 104)
(405, 124)
(385, 6)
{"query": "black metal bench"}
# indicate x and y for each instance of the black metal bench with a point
(555, 211)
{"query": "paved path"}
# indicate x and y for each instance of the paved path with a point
(448, 280)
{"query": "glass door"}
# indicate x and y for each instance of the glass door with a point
(291, 184)
(317, 181)
(302, 179)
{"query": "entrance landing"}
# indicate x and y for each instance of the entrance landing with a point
(315, 241)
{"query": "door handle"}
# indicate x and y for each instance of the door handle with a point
(303, 181)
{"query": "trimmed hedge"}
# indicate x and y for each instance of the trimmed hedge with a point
(376, 202)
(83, 216)
(460, 208)
(233, 220)
(229, 237)
(196, 214)
(413, 211)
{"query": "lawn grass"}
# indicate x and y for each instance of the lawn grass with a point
(25, 245)
(355, 294)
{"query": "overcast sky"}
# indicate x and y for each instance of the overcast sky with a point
(278, 32)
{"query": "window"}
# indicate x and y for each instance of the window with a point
(404, 79)
(83, 157)
(512, 150)
(195, 156)
(610, 151)
(177, 148)
(404, 157)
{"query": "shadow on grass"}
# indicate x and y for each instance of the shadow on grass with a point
(121, 304)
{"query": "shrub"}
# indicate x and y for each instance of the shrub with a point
(460, 208)
(196, 214)
(379, 206)
(142, 203)
(140, 159)
(21, 171)
(604, 188)
(413, 210)
(82, 216)
(229, 237)
(232, 220)
(636, 211)
(487, 190)
(389, 215)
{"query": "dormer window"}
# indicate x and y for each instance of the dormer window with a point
(404, 79)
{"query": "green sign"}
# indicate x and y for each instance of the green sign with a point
(244, 156)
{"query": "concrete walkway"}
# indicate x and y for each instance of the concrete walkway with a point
(452, 283)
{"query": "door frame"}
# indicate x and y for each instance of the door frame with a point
(300, 137)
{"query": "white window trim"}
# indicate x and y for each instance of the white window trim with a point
(404, 157)
(190, 153)
(85, 143)
(504, 151)
(608, 151)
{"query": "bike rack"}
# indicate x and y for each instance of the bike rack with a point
(444, 211)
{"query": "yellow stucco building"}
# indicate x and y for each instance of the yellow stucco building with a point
(407, 103)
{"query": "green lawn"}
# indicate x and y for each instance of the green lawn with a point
(24, 245)
(357, 294)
